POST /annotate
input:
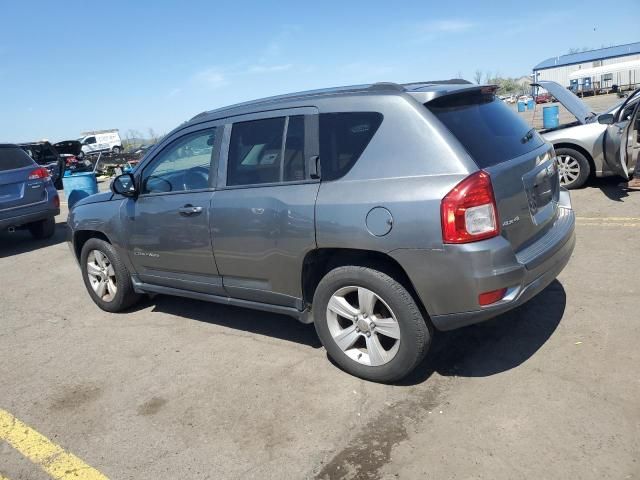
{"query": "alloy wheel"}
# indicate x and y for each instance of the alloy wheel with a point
(363, 326)
(102, 275)
(568, 169)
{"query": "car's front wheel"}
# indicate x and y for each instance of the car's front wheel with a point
(370, 324)
(573, 168)
(105, 276)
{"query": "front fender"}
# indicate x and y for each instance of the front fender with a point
(99, 219)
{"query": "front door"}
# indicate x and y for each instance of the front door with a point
(168, 223)
(263, 212)
(622, 137)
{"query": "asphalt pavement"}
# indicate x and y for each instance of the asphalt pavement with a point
(179, 388)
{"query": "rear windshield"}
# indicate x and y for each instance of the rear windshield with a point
(490, 131)
(12, 158)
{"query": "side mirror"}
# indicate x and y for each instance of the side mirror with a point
(606, 119)
(125, 185)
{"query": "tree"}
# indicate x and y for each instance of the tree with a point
(478, 76)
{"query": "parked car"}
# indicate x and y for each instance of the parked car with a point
(100, 141)
(602, 144)
(510, 99)
(376, 212)
(47, 156)
(543, 98)
(28, 198)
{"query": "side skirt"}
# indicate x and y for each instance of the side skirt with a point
(302, 316)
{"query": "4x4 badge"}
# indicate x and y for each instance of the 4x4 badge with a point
(506, 223)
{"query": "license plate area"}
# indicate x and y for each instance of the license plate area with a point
(543, 191)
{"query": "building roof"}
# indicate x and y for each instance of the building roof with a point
(590, 56)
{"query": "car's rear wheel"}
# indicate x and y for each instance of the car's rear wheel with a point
(105, 276)
(370, 324)
(573, 168)
(43, 228)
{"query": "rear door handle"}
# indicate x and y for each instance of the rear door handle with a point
(189, 210)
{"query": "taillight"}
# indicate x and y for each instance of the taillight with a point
(468, 212)
(39, 174)
(56, 201)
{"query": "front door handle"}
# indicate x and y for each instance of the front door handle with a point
(189, 210)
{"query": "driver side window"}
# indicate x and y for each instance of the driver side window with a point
(181, 166)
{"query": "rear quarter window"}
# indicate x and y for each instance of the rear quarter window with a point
(13, 157)
(489, 130)
(343, 138)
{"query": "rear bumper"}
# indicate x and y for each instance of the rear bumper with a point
(449, 281)
(19, 216)
(20, 220)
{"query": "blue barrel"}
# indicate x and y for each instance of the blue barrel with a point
(531, 104)
(521, 106)
(79, 186)
(551, 116)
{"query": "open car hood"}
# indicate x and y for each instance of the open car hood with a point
(568, 99)
(72, 147)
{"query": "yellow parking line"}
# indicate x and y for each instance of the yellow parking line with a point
(612, 219)
(609, 224)
(54, 460)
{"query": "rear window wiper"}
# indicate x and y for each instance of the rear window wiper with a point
(528, 136)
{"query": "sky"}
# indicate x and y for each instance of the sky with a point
(73, 66)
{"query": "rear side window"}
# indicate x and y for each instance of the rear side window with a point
(255, 152)
(12, 158)
(490, 131)
(343, 138)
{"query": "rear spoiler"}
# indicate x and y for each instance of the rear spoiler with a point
(452, 89)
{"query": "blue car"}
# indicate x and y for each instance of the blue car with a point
(28, 198)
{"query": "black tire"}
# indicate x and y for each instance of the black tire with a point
(43, 228)
(583, 164)
(58, 183)
(415, 333)
(125, 296)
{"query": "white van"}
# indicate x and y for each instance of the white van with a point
(101, 141)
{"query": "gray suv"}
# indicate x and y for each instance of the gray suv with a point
(377, 212)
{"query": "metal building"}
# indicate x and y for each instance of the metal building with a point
(594, 71)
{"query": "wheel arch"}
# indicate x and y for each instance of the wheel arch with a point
(319, 262)
(81, 237)
(582, 150)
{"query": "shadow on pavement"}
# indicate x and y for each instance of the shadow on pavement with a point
(252, 321)
(496, 345)
(21, 241)
(481, 350)
(614, 188)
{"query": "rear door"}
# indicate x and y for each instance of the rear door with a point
(621, 138)
(263, 210)
(16, 188)
(520, 163)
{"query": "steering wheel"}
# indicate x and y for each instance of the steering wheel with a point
(196, 178)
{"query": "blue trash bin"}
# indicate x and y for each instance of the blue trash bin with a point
(551, 116)
(521, 106)
(531, 104)
(78, 186)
